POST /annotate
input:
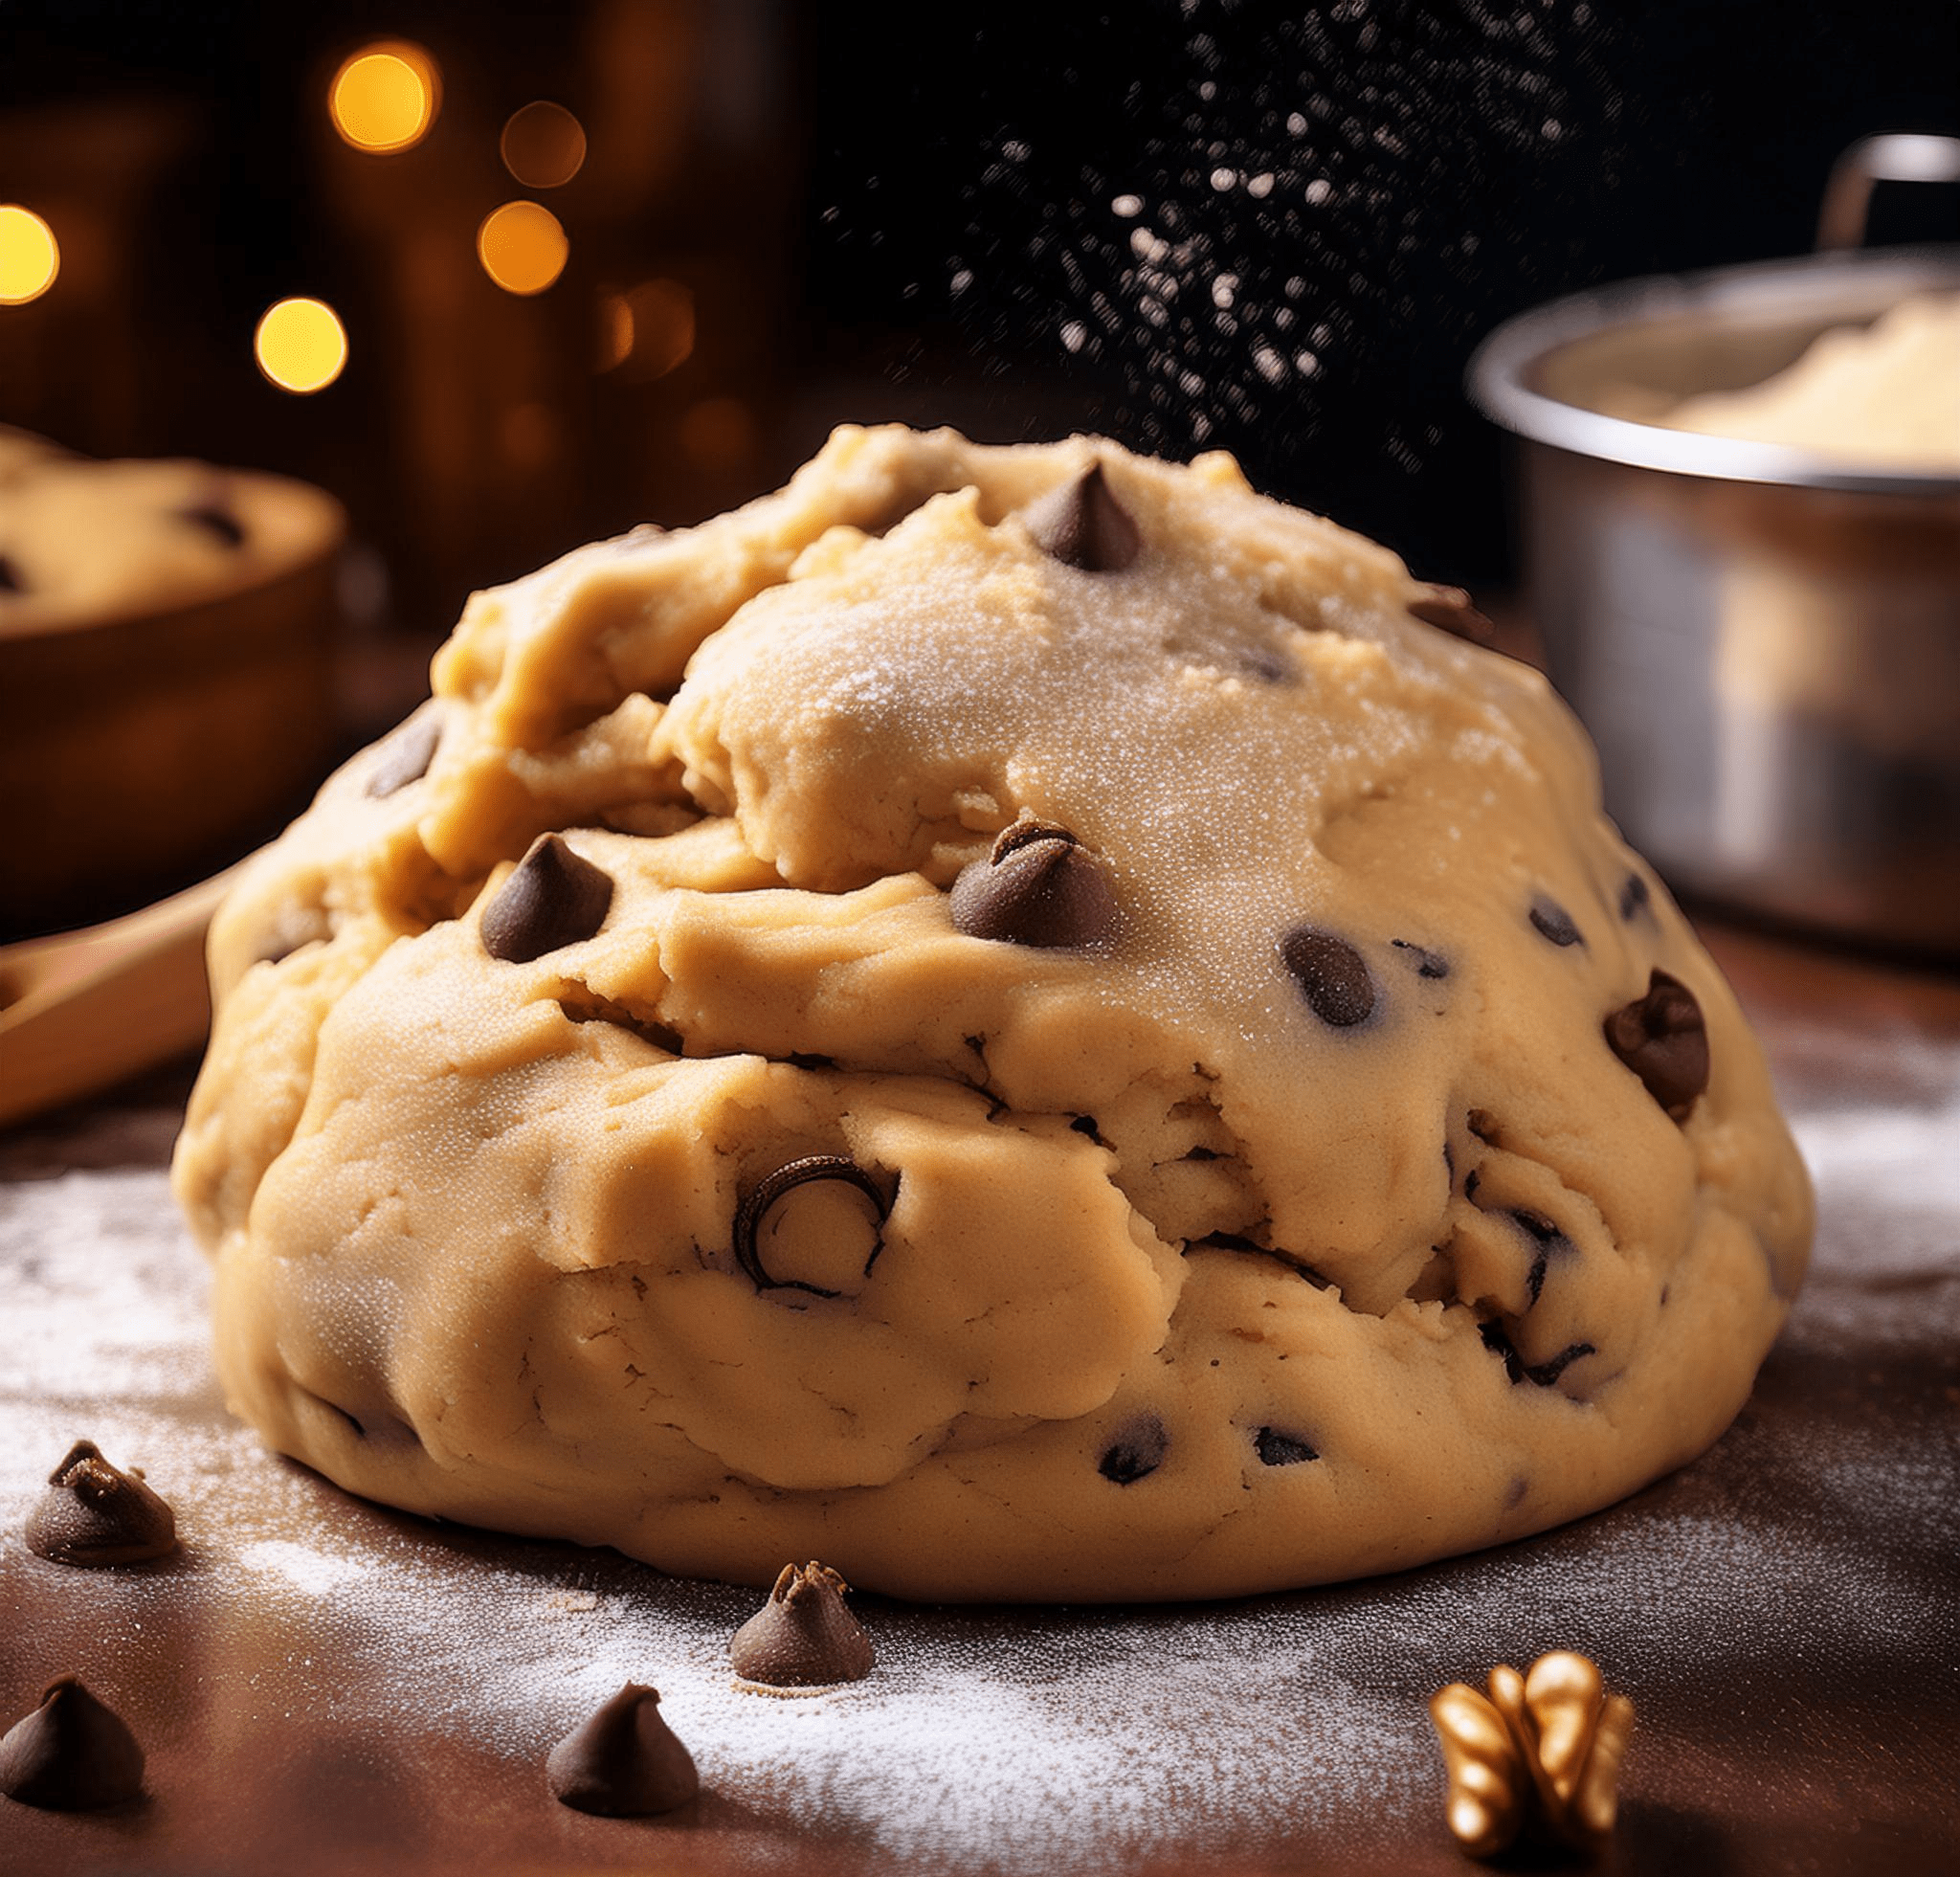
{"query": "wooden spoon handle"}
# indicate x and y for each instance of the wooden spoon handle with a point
(82, 1010)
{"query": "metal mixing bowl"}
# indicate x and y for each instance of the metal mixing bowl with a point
(1765, 644)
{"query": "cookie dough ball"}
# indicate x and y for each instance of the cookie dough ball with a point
(1886, 394)
(1008, 1019)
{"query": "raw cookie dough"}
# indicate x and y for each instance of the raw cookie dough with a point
(1339, 1153)
(85, 541)
(1887, 393)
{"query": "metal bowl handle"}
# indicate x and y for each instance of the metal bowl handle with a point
(1896, 157)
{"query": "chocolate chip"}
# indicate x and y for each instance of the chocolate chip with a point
(10, 581)
(1427, 963)
(1268, 666)
(803, 1637)
(1450, 608)
(1086, 1124)
(94, 1513)
(219, 520)
(1038, 886)
(1543, 1374)
(761, 1197)
(1137, 1451)
(1635, 896)
(1664, 1038)
(1554, 922)
(1332, 977)
(1277, 1450)
(406, 756)
(623, 1763)
(72, 1754)
(554, 898)
(1550, 1241)
(1084, 525)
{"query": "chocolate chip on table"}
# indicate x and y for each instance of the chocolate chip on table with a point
(1664, 1038)
(1635, 896)
(1554, 922)
(1038, 886)
(218, 518)
(1450, 608)
(1278, 1449)
(404, 757)
(72, 1754)
(625, 1762)
(803, 1637)
(554, 898)
(1137, 1451)
(1083, 524)
(1427, 963)
(94, 1513)
(10, 581)
(1541, 1373)
(765, 1192)
(1333, 977)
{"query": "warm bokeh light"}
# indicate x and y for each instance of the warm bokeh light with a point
(30, 257)
(385, 97)
(544, 145)
(300, 344)
(522, 247)
(650, 327)
(719, 433)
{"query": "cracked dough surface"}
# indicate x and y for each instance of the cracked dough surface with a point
(1138, 1266)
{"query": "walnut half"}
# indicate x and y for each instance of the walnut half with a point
(1542, 1751)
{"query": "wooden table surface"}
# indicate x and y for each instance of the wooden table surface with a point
(326, 1685)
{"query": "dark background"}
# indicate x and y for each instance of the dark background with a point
(906, 212)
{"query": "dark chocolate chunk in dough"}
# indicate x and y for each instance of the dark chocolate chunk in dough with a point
(1333, 977)
(1541, 1373)
(94, 1513)
(803, 1637)
(1083, 525)
(1278, 1449)
(554, 898)
(625, 1762)
(72, 1754)
(1635, 896)
(218, 520)
(766, 1190)
(1664, 1038)
(1263, 662)
(1427, 963)
(1549, 1240)
(1038, 886)
(1137, 1451)
(10, 581)
(1554, 922)
(1450, 608)
(404, 757)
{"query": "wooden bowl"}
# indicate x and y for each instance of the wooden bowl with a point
(144, 729)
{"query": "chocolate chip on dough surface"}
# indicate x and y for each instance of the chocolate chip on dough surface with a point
(677, 908)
